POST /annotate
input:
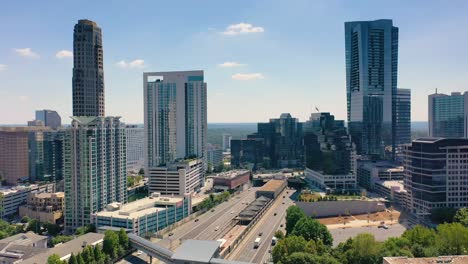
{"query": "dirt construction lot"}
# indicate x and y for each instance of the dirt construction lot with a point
(389, 217)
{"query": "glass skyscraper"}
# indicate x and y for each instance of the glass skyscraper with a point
(448, 115)
(371, 84)
(403, 116)
(88, 70)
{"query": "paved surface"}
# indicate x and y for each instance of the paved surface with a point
(381, 234)
(268, 225)
(204, 228)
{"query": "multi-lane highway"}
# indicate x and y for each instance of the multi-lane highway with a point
(267, 225)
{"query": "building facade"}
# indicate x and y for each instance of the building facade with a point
(403, 116)
(371, 84)
(230, 180)
(436, 174)
(447, 115)
(330, 182)
(45, 207)
(145, 216)
(177, 178)
(46, 155)
(214, 157)
(247, 151)
(227, 142)
(88, 70)
(175, 116)
(13, 197)
(50, 118)
(135, 147)
(368, 173)
(94, 168)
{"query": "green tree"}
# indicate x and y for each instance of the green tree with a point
(462, 216)
(85, 229)
(25, 219)
(111, 244)
(287, 246)
(293, 215)
(279, 234)
(364, 250)
(35, 226)
(54, 259)
(80, 259)
(7, 230)
(452, 239)
(123, 239)
(72, 259)
(307, 258)
(141, 171)
(60, 239)
(52, 229)
(396, 246)
(311, 229)
(420, 235)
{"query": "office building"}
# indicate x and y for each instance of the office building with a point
(145, 216)
(13, 197)
(135, 147)
(371, 84)
(227, 142)
(14, 153)
(36, 123)
(45, 207)
(247, 151)
(327, 144)
(177, 178)
(50, 118)
(88, 70)
(214, 156)
(368, 173)
(175, 116)
(403, 116)
(94, 168)
(393, 191)
(447, 115)
(435, 174)
(330, 182)
(230, 180)
(45, 155)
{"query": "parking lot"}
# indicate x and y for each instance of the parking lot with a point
(380, 234)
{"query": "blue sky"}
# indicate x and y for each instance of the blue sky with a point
(291, 53)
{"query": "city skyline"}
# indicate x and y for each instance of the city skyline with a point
(241, 49)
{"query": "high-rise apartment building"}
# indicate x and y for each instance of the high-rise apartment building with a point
(49, 117)
(88, 70)
(135, 147)
(447, 115)
(45, 155)
(94, 167)
(175, 118)
(403, 116)
(436, 174)
(227, 142)
(371, 84)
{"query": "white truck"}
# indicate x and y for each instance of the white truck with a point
(257, 242)
(273, 241)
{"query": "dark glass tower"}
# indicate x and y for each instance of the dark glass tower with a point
(88, 70)
(371, 84)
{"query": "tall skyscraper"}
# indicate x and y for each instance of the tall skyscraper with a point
(135, 147)
(403, 116)
(175, 116)
(371, 84)
(88, 70)
(448, 115)
(94, 167)
(49, 117)
(45, 155)
(227, 142)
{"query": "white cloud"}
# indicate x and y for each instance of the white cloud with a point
(3, 67)
(247, 76)
(242, 28)
(64, 54)
(27, 52)
(138, 63)
(229, 64)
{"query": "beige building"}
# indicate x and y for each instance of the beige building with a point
(45, 207)
(461, 259)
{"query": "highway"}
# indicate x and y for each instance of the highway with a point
(267, 225)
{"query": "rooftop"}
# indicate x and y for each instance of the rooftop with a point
(271, 185)
(45, 195)
(396, 185)
(17, 188)
(197, 250)
(433, 260)
(231, 174)
(140, 207)
(23, 238)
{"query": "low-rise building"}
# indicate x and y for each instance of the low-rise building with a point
(333, 182)
(370, 172)
(45, 207)
(230, 180)
(393, 190)
(460, 259)
(13, 197)
(178, 178)
(146, 215)
(271, 189)
(15, 249)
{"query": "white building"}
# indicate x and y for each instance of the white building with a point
(135, 147)
(178, 178)
(227, 142)
(342, 181)
(175, 116)
(13, 197)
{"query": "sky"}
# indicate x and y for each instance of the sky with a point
(261, 58)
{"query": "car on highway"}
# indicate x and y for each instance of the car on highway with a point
(212, 210)
(217, 228)
(257, 242)
(196, 220)
(260, 234)
(274, 214)
(284, 197)
(273, 241)
(171, 234)
(139, 252)
(283, 202)
(281, 225)
(384, 226)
